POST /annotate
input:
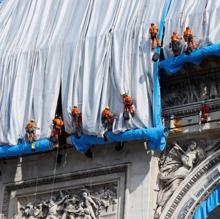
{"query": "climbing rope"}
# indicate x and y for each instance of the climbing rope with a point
(54, 173)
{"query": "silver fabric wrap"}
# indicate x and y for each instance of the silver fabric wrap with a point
(96, 49)
(202, 16)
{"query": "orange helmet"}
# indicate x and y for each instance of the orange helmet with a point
(58, 121)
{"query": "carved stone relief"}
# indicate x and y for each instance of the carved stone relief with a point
(175, 164)
(83, 203)
(191, 90)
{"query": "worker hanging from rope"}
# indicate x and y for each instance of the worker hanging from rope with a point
(107, 121)
(128, 107)
(57, 130)
(188, 37)
(153, 31)
(175, 44)
(31, 135)
(77, 120)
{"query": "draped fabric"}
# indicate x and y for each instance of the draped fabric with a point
(202, 16)
(110, 57)
(96, 50)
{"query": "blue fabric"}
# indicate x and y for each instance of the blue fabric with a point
(156, 137)
(157, 109)
(25, 148)
(208, 205)
(174, 64)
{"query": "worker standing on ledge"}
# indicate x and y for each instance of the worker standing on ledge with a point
(153, 31)
(77, 120)
(107, 121)
(175, 44)
(188, 37)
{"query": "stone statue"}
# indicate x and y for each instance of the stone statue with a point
(90, 205)
(174, 166)
(204, 95)
(192, 93)
(213, 92)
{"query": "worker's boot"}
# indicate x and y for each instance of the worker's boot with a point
(105, 136)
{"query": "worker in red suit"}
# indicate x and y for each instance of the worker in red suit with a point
(188, 37)
(128, 107)
(57, 130)
(107, 121)
(77, 120)
(153, 31)
(204, 113)
(175, 44)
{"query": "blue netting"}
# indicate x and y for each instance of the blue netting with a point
(208, 205)
(173, 65)
(25, 148)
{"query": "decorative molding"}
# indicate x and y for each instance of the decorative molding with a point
(90, 203)
(191, 192)
(174, 166)
(98, 184)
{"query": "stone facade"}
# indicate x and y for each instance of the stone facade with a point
(189, 167)
(114, 184)
(133, 183)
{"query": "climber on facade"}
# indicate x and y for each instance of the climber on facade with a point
(31, 128)
(31, 135)
(188, 37)
(153, 31)
(57, 130)
(107, 121)
(77, 120)
(175, 44)
(128, 107)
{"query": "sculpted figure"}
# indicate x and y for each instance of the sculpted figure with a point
(213, 92)
(174, 166)
(90, 205)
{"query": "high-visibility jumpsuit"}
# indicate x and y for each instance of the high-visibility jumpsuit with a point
(77, 120)
(188, 37)
(58, 125)
(128, 107)
(107, 121)
(31, 128)
(153, 31)
(175, 44)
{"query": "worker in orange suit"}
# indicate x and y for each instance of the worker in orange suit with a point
(175, 44)
(57, 130)
(128, 106)
(77, 120)
(31, 135)
(188, 37)
(31, 128)
(153, 31)
(107, 121)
